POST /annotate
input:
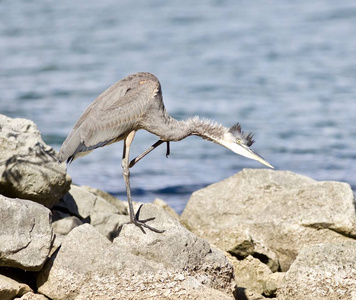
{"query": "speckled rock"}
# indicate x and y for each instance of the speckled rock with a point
(32, 296)
(280, 210)
(250, 273)
(137, 265)
(324, 271)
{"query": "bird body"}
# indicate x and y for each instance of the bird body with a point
(113, 114)
(135, 103)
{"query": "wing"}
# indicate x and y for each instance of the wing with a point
(112, 115)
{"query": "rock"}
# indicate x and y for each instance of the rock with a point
(87, 204)
(273, 283)
(279, 210)
(68, 274)
(65, 225)
(166, 207)
(28, 168)
(25, 234)
(32, 296)
(288, 239)
(266, 255)
(9, 288)
(324, 271)
(238, 242)
(250, 273)
(120, 205)
(82, 203)
(176, 248)
(130, 267)
(244, 294)
(58, 215)
(108, 224)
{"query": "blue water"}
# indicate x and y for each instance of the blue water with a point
(286, 70)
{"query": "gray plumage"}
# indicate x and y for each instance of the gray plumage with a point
(135, 103)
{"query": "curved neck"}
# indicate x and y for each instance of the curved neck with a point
(170, 129)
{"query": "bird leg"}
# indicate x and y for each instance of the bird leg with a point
(134, 218)
(143, 154)
(168, 150)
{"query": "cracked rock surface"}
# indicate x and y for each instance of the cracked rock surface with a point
(25, 234)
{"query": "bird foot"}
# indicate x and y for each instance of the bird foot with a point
(139, 223)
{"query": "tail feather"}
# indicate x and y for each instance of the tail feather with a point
(73, 148)
(69, 147)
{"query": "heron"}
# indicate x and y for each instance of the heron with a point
(135, 103)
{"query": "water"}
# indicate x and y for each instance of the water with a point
(285, 70)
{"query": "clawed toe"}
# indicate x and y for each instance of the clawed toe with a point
(139, 223)
(142, 223)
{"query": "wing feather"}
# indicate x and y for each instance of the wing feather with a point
(111, 116)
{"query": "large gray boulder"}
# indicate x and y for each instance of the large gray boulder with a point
(28, 168)
(324, 271)
(280, 210)
(25, 234)
(172, 265)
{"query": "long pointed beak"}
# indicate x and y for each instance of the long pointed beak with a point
(245, 151)
(249, 153)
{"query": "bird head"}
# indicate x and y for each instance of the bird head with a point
(239, 142)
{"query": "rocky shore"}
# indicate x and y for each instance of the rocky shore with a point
(258, 234)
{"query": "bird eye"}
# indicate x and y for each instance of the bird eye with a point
(238, 141)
